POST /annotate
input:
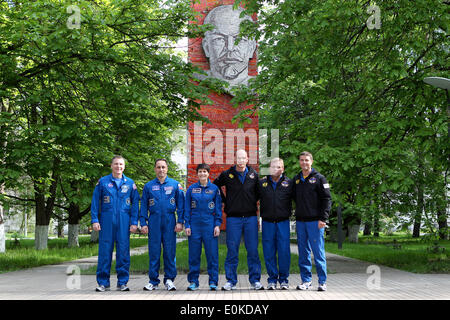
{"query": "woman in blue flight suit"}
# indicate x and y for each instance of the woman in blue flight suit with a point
(203, 217)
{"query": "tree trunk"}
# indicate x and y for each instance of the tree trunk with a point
(4, 107)
(2, 226)
(73, 235)
(419, 211)
(60, 228)
(94, 236)
(44, 208)
(442, 223)
(367, 229)
(42, 222)
(41, 237)
(353, 231)
(376, 226)
(74, 219)
(2, 232)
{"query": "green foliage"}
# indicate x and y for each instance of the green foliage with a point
(356, 99)
(400, 252)
(77, 96)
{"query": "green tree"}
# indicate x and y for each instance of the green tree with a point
(83, 84)
(353, 94)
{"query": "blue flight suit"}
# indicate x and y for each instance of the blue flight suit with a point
(115, 207)
(203, 212)
(159, 203)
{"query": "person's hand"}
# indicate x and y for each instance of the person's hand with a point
(144, 229)
(178, 227)
(216, 231)
(133, 228)
(96, 226)
(322, 224)
(188, 231)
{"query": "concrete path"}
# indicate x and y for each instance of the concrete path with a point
(348, 279)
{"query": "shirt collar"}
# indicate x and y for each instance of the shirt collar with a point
(207, 185)
(124, 178)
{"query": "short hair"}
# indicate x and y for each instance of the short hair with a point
(203, 166)
(161, 159)
(117, 157)
(277, 160)
(306, 153)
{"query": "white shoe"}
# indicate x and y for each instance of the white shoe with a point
(228, 286)
(102, 288)
(170, 286)
(284, 286)
(305, 286)
(150, 287)
(271, 286)
(257, 286)
(322, 287)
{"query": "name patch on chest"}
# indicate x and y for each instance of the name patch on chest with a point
(168, 190)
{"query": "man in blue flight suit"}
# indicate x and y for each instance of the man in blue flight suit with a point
(114, 212)
(203, 217)
(161, 199)
(275, 192)
(240, 182)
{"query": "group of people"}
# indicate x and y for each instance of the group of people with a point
(165, 210)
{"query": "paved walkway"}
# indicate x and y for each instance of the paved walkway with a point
(348, 279)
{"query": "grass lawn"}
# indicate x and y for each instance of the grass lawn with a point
(396, 251)
(399, 251)
(23, 255)
(139, 263)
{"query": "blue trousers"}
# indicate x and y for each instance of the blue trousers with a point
(120, 236)
(203, 232)
(162, 232)
(275, 239)
(309, 236)
(235, 227)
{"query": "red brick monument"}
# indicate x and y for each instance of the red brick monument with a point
(221, 57)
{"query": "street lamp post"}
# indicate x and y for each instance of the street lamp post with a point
(443, 83)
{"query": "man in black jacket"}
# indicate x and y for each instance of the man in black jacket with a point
(313, 203)
(275, 192)
(240, 200)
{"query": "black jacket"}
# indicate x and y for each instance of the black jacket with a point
(312, 197)
(240, 199)
(275, 205)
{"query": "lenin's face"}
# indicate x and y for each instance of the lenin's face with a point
(228, 60)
